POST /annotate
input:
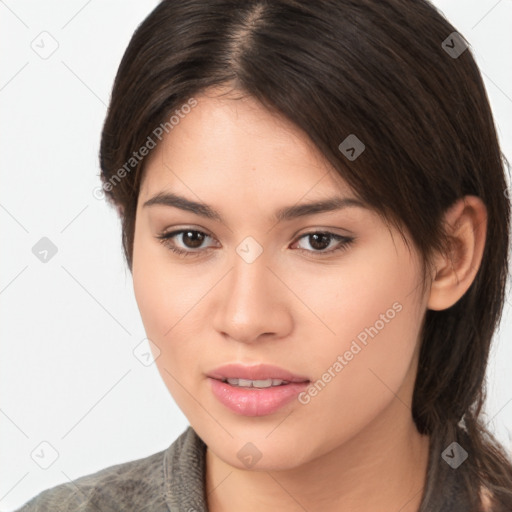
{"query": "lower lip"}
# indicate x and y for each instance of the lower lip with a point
(255, 401)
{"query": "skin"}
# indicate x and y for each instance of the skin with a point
(354, 446)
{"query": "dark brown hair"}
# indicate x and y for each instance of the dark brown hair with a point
(379, 70)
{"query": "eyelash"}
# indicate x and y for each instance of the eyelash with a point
(164, 238)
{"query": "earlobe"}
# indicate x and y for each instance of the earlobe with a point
(455, 271)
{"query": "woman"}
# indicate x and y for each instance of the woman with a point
(315, 216)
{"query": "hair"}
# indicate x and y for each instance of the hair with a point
(376, 69)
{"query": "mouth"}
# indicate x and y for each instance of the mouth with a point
(259, 384)
(260, 375)
(255, 390)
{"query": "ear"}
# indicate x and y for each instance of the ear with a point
(454, 272)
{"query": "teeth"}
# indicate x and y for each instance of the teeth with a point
(246, 383)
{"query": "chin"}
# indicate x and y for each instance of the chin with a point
(264, 455)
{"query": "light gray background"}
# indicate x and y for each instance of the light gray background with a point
(69, 327)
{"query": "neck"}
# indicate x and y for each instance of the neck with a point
(383, 467)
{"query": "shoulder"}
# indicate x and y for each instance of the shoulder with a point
(133, 485)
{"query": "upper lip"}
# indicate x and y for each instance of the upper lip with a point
(254, 372)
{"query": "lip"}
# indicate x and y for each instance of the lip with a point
(255, 372)
(255, 401)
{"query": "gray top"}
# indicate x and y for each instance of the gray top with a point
(172, 480)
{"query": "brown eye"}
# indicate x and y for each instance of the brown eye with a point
(190, 239)
(189, 242)
(193, 239)
(321, 240)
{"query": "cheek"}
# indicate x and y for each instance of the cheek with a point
(163, 310)
(164, 291)
(370, 295)
(148, 287)
(370, 376)
(168, 297)
(372, 307)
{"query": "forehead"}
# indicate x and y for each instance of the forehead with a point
(231, 141)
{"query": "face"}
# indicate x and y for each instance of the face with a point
(332, 296)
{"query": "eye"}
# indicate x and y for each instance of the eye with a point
(193, 239)
(321, 240)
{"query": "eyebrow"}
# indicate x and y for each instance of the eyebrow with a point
(283, 214)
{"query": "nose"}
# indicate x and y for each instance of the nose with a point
(253, 302)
